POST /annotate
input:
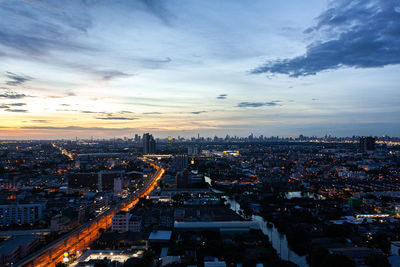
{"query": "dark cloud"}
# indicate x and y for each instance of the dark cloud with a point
(74, 128)
(39, 28)
(151, 113)
(70, 94)
(16, 110)
(88, 111)
(17, 104)
(110, 74)
(358, 33)
(158, 9)
(12, 95)
(199, 112)
(16, 79)
(40, 121)
(34, 45)
(125, 112)
(2, 106)
(151, 63)
(257, 104)
(222, 96)
(116, 118)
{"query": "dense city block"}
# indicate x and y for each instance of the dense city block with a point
(201, 202)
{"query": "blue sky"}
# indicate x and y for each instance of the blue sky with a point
(114, 68)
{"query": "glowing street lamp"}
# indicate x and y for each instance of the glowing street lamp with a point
(66, 257)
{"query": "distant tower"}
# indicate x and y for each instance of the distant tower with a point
(149, 144)
(193, 150)
(100, 181)
(367, 143)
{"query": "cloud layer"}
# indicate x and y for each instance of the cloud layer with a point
(222, 96)
(359, 33)
(16, 79)
(12, 95)
(257, 104)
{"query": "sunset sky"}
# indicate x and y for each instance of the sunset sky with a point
(114, 68)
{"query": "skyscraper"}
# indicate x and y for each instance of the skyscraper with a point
(367, 143)
(183, 179)
(193, 150)
(149, 144)
(181, 162)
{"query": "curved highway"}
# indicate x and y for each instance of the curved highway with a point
(80, 239)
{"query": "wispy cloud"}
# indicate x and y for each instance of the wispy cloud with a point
(222, 96)
(257, 104)
(89, 112)
(41, 121)
(69, 93)
(16, 110)
(198, 112)
(158, 9)
(17, 104)
(41, 28)
(67, 110)
(74, 128)
(358, 33)
(151, 113)
(117, 118)
(16, 79)
(12, 95)
(110, 74)
(154, 63)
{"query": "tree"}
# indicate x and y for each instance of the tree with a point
(146, 260)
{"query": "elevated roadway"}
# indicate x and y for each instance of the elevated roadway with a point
(80, 238)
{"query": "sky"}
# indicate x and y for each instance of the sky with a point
(178, 68)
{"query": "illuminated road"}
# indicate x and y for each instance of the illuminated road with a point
(80, 239)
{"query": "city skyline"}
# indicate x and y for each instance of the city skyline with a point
(111, 69)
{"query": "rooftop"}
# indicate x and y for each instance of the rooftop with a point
(14, 242)
(160, 235)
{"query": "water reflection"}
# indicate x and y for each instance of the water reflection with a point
(299, 194)
(279, 241)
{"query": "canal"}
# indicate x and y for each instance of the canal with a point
(278, 240)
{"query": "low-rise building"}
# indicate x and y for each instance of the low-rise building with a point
(18, 213)
(120, 222)
(135, 224)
